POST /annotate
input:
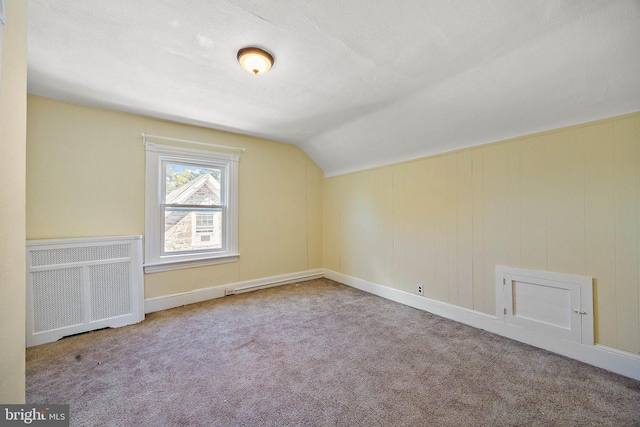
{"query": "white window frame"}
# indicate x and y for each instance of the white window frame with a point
(156, 155)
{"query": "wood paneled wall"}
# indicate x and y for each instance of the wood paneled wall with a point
(564, 201)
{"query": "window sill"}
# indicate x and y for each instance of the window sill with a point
(176, 265)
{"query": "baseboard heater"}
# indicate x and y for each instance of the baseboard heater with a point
(254, 285)
(79, 285)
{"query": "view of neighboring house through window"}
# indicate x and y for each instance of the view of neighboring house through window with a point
(191, 207)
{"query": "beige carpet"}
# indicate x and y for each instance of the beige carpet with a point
(318, 354)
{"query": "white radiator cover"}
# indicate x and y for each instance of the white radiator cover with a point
(79, 285)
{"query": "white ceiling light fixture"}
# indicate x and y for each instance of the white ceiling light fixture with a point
(255, 60)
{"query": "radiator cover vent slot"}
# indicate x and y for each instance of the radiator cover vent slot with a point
(79, 254)
(57, 299)
(110, 296)
(78, 285)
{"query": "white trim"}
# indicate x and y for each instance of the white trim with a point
(614, 360)
(176, 300)
(188, 141)
(193, 154)
(155, 155)
(166, 266)
(81, 241)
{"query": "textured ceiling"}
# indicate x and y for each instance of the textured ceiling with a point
(355, 84)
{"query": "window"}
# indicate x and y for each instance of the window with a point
(191, 207)
(204, 223)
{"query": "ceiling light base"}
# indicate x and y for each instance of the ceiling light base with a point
(255, 60)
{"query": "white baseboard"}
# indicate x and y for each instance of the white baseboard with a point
(611, 359)
(176, 300)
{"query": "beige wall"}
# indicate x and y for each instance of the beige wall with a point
(13, 88)
(85, 177)
(564, 201)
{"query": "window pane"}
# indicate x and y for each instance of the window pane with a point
(192, 185)
(188, 230)
(204, 222)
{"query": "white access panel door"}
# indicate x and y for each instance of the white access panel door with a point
(551, 303)
(544, 305)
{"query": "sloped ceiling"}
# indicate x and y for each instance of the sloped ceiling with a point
(355, 84)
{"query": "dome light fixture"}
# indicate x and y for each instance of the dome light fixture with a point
(255, 60)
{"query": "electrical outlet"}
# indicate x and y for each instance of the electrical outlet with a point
(229, 291)
(419, 289)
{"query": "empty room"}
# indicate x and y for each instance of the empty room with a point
(266, 213)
